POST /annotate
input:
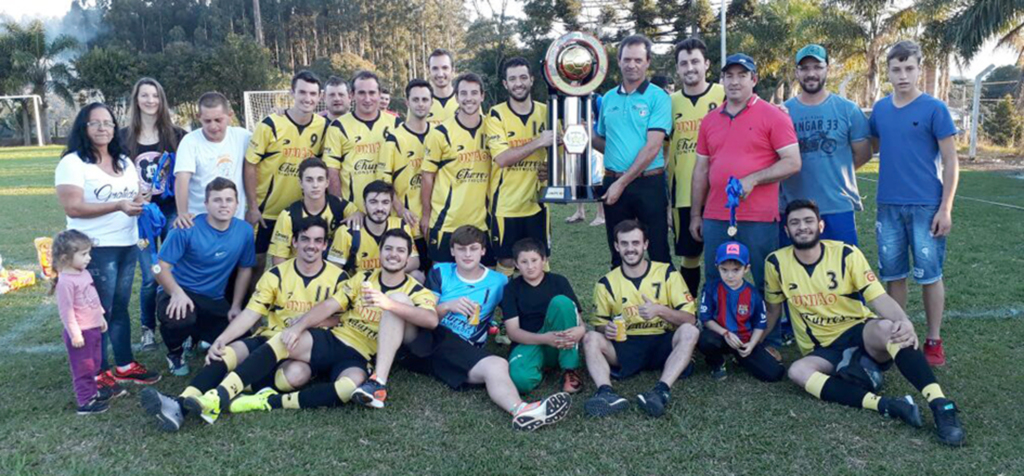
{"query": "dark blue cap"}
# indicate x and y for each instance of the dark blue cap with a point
(732, 250)
(742, 60)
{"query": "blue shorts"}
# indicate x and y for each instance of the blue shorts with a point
(838, 226)
(908, 227)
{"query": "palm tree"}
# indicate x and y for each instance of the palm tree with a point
(978, 21)
(37, 64)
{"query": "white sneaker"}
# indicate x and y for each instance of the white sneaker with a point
(148, 339)
(544, 412)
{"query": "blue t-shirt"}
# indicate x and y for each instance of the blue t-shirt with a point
(826, 133)
(910, 165)
(444, 281)
(739, 311)
(204, 257)
(625, 120)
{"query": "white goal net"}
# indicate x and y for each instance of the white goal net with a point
(260, 104)
(20, 123)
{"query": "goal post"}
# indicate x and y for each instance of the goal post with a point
(260, 104)
(8, 104)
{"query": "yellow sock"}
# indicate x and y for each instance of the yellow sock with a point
(344, 387)
(870, 401)
(290, 401)
(815, 384)
(280, 350)
(892, 349)
(230, 359)
(281, 382)
(191, 391)
(232, 384)
(933, 391)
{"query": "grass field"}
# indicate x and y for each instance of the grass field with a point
(739, 426)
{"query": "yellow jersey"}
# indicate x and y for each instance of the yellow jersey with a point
(442, 109)
(617, 295)
(283, 294)
(277, 147)
(358, 249)
(687, 112)
(403, 158)
(458, 156)
(360, 324)
(826, 298)
(334, 211)
(355, 145)
(513, 190)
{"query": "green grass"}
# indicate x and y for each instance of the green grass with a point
(739, 426)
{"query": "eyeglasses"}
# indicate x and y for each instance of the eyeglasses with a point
(99, 124)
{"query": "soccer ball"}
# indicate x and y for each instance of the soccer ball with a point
(575, 63)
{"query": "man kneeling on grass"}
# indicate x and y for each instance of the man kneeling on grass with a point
(450, 346)
(829, 286)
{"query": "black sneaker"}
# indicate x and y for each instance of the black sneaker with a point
(371, 394)
(903, 409)
(108, 393)
(947, 424)
(605, 402)
(166, 410)
(719, 373)
(653, 402)
(94, 407)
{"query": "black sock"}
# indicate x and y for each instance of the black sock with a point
(275, 402)
(258, 365)
(691, 276)
(209, 376)
(319, 396)
(839, 391)
(662, 387)
(915, 368)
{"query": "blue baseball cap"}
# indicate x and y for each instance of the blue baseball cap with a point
(732, 250)
(742, 60)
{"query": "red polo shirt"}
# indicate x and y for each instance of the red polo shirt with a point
(739, 146)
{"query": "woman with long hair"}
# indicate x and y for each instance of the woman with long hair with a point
(99, 189)
(149, 134)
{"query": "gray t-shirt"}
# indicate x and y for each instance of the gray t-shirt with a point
(825, 133)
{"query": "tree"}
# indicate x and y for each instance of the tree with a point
(110, 70)
(35, 62)
(1003, 126)
(1009, 74)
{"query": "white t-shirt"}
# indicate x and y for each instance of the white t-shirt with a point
(208, 160)
(112, 229)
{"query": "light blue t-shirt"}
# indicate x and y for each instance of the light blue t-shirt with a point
(204, 257)
(826, 133)
(445, 281)
(910, 165)
(625, 120)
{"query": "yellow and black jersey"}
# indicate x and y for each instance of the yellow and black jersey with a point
(335, 210)
(687, 112)
(278, 146)
(825, 298)
(458, 156)
(358, 249)
(283, 294)
(514, 188)
(403, 157)
(355, 145)
(442, 109)
(617, 295)
(359, 324)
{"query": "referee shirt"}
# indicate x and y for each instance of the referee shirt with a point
(625, 120)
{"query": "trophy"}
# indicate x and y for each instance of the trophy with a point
(574, 66)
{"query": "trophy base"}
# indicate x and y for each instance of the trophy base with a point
(572, 194)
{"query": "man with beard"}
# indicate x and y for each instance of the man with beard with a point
(833, 136)
(518, 138)
(315, 202)
(356, 246)
(828, 286)
(644, 321)
(282, 295)
(338, 99)
(365, 300)
(442, 70)
(690, 104)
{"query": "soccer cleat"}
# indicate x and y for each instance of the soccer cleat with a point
(903, 409)
(605, 402)
(94, 407)
(545, 412)
(206, 406)
(371, 393)
(177, 365)
(653, 402)
(571, 382)
(166, 410)
(148, 340)
(253, 403)
(947, 424)
(719, 373)
(934, 353)
(136, 373)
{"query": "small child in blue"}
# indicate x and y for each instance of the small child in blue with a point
(734, 318)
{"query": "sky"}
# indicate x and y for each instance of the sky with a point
(56, 8)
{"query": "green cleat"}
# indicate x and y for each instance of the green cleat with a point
(206, 406)
(253, 403)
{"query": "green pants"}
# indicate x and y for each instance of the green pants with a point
(527, 362)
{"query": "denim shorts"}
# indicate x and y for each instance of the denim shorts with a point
(904, 230)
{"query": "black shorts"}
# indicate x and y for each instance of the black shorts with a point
(845, 346)
(330, 355)
(639, 353)
(685, 245)
(439, 248)
(443, 355)
(506, 231)
(263, 236)
(421, 249)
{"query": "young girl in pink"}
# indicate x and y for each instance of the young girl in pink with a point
(82, 315)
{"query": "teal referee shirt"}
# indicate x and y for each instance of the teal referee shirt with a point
(624, 121)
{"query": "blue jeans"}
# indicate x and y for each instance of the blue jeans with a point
(838, 226)
(113, 270)
(147, 291)
(909, 227)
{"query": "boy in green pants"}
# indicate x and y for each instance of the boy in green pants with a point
(541, 315)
